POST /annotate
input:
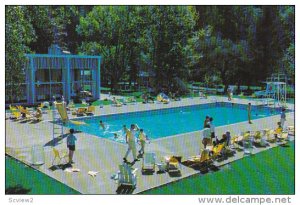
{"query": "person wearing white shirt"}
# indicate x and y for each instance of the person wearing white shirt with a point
(130, 140)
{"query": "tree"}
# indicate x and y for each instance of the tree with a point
(18, 34)
(167, 34)
(105, 31)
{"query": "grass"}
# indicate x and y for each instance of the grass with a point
(269, 172)
(22, 179)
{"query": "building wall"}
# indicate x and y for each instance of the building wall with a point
(61, 75)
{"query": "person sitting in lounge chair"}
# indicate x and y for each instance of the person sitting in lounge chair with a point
(206, 137)
(278, 130)
(38, 115)
(221, 141)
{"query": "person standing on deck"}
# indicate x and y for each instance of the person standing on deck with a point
(212, 129)
(282, 118)
(206, 122)
(229, 93)
(130, 140)
(249, 113)
(71, 145)
(142, 140)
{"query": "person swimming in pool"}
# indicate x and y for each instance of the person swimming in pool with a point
(102, 124)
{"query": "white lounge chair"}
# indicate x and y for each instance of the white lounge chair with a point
(127, 175)
(148, 162)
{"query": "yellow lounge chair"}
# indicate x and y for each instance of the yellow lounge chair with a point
(90, 110)
(23, 110)
(173, 165)
(12, 108)
(203, 160)
(16, 115)
(60, 156)
(217, 151)
(81, 111)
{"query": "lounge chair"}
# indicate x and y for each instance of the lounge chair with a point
(38, 116)
(127, 175)
(247, 145)
(148, 162)
(199, 161)
(81, 111)
(291, 130)
(270, 135)
(283, 136)
(15, 115)
(234, 142)
(90, 110)
(260, 139)
(217, 151)
(163, 98)
(116, 103)
(25, 112)
(12, 108)
(130, 100)
(173, 165)
(63, 156)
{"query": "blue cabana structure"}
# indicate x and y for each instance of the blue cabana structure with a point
(59, 73)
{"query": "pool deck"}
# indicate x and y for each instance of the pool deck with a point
(102, 155)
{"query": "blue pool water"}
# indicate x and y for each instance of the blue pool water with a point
(172, 121)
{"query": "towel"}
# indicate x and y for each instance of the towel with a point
(92, 173)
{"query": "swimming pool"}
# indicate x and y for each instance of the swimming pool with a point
(171, 121)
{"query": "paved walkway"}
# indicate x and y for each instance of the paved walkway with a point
(98, 154)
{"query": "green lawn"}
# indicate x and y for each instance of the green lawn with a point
(22, 179)
(269, 172)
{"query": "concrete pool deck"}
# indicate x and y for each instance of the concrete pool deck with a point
(98, 154)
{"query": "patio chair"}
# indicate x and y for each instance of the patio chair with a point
(24, 111)
(116, 102)
(173, 165)
(81, 111)
(127, 175)
(217, 151)
(260, 139)
(163, 98)
(270, 135)
(38, 116)
(148, 162)
(63, 156)
(12, 108)
(291, 130)
(90, 110)
(201, 161)
(129, 100)
(248, 144)
(15, 115)
(283, 136)
(248, 147)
